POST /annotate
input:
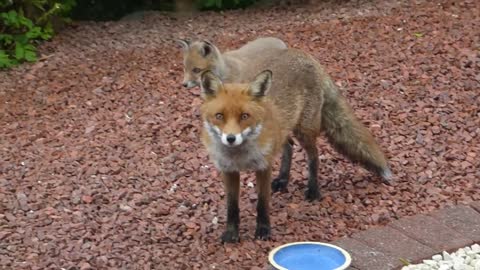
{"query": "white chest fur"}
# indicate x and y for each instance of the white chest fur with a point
(245, 157)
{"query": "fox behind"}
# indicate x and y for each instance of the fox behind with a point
(229, 66)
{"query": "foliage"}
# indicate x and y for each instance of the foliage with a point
(224, 4)
(23, 23)
(100, 10)
(116, 9)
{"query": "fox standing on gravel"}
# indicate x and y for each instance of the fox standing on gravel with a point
(246, 124)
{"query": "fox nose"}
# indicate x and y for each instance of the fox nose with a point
(230, 138)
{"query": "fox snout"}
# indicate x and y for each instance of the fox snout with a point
(232, 139)
(189, 84)
(226, 138)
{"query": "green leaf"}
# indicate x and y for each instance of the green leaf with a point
(3, 57)
(6, 62)
(3, 16)
(12, 14)
(30, 47)
(12, 18)
(6, 39)
(210, 3)
(39, 5)
(30, 53)
(23, 39)
(25, 22)
(47, 32)
(30, 56)
(19, 51)
(405, 262)
(34, 32)
(418, 35)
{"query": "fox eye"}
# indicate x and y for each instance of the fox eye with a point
(245, 116)
(219, 116)
(196, 70)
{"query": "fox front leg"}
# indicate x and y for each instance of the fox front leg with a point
(232, 189)
(263, 189)
(280, 183)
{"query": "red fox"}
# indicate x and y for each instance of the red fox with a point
(246, 125)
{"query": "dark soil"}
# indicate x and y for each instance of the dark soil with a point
(101, 165)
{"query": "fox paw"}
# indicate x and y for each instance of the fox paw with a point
(312, 195)
(279, 184)
(230, 236)
(262, 232)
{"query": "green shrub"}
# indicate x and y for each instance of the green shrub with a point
(23, 24)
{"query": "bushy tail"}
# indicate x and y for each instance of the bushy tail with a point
(350, 137)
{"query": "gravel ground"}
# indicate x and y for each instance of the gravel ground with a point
(467, 258)
(101, 166)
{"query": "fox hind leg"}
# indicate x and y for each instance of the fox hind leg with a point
(308, 143)
(280, 183)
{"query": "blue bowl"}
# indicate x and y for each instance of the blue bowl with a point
(309, 256)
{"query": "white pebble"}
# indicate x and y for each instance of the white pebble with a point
(459, 266)
(430, 262)
(467, 258)
(437, 257)
(444, 267)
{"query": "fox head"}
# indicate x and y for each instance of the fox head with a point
(198, 56)
(233, 113)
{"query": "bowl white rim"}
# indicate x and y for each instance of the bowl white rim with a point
(348, 259)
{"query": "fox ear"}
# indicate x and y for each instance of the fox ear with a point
(260, 85)
(207, 48)
(210, 84)
(185, 44)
